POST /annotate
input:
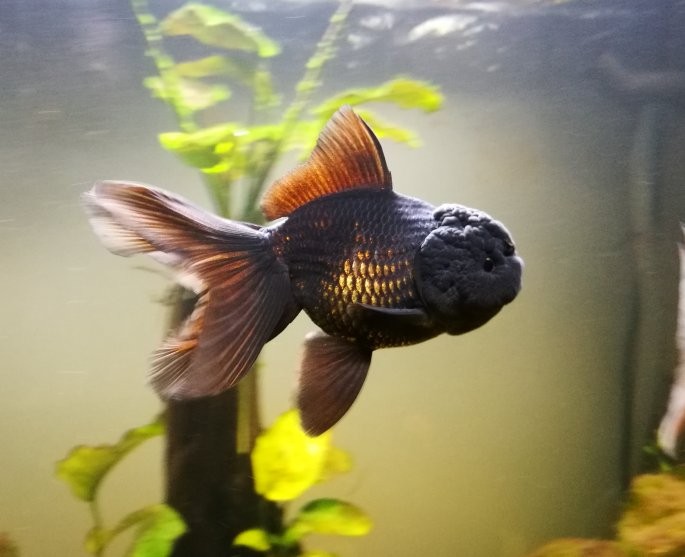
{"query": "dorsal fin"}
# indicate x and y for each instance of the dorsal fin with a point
(347, 155)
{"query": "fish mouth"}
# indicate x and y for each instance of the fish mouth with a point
(477, 295)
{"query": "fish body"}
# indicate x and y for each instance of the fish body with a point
(356, 247)
(372, 268)
(361, 248)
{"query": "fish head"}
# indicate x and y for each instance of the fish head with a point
(466, 269)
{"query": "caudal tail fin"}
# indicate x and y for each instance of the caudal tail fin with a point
(243, 290)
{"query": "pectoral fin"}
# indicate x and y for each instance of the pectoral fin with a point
(388, 319)
(331, 375)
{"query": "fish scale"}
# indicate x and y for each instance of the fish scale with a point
(355, 247)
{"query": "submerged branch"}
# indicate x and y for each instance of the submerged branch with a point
(208, 469)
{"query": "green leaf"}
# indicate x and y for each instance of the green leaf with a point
(157, 527)
(216, 66)
(267, 132)
(286, 461)
(198, 95)
(337, 462)
(404, 92)
(306, 133)
(198, 149)
(304, 136)
(204, 67)
(265, 95)
(384, 130)
(317, 553)
(255, 538)
(329, 516)
(218, 149)
(242, 71)
(215, 27)
(86, 466)
(97, 539)
(194, 95)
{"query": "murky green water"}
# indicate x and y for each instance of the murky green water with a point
(483, 445)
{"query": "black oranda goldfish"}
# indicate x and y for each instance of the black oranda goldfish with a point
(372, 268)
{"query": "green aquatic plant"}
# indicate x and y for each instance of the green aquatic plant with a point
(84, 469)
(240, 154)
(659, 459)
(286, 462)
(235, 158)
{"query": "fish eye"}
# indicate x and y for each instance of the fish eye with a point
(488, 264)
(509, 248)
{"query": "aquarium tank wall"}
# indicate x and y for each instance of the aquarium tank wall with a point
(563, 119)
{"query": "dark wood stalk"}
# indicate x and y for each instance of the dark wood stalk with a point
(208, 470)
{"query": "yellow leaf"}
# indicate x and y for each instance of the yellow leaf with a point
(286, 461)
(255, 538)
(215, 27)
(337, 462)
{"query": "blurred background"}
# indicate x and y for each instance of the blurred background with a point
(564, 120)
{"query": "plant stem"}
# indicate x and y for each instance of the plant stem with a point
(325, 50)
(208, 470)
(97, 523)
(219, 186)
(248, 422)
(164, 64)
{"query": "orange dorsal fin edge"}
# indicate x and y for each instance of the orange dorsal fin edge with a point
(347, 155)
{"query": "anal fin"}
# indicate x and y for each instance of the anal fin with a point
(332, 373)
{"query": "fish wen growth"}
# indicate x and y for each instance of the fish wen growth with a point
(372, 268)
